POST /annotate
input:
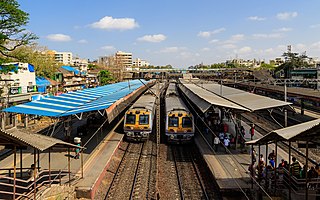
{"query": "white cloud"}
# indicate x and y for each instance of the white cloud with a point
(256, 18)
(244, 50)
(267, 36)
(229, 46)
(59, 37)
(213, 41)
(315, 26)
(234, 39)
(108, 48)
(283, 29)
(153, 38)
(315, 45)
(172, 49)
(287, 15)
(205, 49)
(207, 34)
(83, 41)
(109, 23)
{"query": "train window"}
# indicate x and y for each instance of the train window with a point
(173, 122)
(186, 122)
(130, 119)
(143, 119)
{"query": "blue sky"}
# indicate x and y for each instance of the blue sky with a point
(176, 32)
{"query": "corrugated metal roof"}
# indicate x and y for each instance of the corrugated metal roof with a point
(248, 100)
(300, 132)
(173, 101)
(37, 141)
(77, 102)
(210, 98)
(148, 99)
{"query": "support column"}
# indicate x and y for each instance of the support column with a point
(307, 158)
(49, 167)
(3, 120)
(275, 166)
(20, 162)
(26, 121)
(14, 120)
(266, 157)
(290, 174)
(302, 106)
(14, 171)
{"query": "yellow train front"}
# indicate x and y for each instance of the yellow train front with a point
(138, 123)
(179, 120)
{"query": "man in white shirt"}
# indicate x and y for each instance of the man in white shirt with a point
(226, 143)
(216, 142)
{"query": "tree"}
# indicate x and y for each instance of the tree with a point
(105, 77)
(12, 33)
(40, 57)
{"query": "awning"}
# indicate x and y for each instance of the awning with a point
(204, 99)
(301, 132)
(66, 104)
(37, 141)
(251, 101)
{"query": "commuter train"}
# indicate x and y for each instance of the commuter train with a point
(138, 123)
(179, 120)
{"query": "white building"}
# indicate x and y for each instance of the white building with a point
(24, 81)
(63, 57)
(81, 64)
(140, 63)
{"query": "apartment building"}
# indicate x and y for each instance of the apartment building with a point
(123, 59)
(140, 63)
(63, 57)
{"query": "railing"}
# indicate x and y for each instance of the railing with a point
(286, 181)
(24, 188)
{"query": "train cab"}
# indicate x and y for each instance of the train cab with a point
(180, 126)
(137, 124)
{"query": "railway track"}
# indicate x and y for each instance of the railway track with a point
(187, 175)
(135, 176)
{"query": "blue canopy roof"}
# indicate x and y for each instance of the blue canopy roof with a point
(42, 81)
(78, 102)
(71, 69)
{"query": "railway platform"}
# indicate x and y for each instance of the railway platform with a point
(231, 170)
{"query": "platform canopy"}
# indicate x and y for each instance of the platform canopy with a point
(71, 103)
(308, 131)
(205, 99)
(37, 141)
(252, 102)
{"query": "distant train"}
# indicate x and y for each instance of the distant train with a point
(179, 120)
(138, 123)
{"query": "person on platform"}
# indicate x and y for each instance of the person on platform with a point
(226, 142)
(216, 142)
(295, 168)
(32, 172)
(77, 152)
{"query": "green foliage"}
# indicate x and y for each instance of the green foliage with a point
(267, 66)
(5, 69)
(92, 66)
(105, 77)
(12, 33)
(44, 62)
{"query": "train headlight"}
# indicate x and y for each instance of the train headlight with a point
(129, 134)
(171, 137)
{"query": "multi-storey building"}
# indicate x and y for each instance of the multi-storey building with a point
(140, 63)
(123, 59)
(63, 57)
(81, 64)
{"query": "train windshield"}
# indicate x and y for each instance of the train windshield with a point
(143, 119)
(186, 122)
(130, 119)
(173, 122)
